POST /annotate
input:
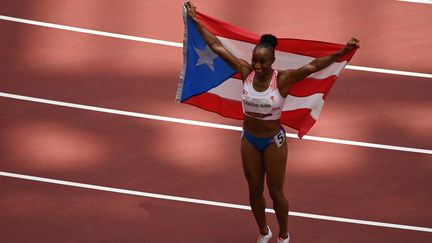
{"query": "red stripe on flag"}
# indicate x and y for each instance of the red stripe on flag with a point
(224, 29)
(237, 76)
(211, 102)
(299, 119)
(310, 48)
(308, 86)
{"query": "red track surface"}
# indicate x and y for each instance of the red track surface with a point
(189, 161)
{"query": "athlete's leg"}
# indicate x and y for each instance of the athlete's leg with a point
(275, 159)
(253, 168)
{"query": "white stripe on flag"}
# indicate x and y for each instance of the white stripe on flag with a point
(231, 89)
(284, 60)
(314, 102)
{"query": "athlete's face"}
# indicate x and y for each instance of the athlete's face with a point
(262, 60)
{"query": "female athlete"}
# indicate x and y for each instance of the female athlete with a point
(263, 143)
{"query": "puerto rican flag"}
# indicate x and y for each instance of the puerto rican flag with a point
(208, 82)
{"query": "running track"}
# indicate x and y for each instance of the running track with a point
(194, 162)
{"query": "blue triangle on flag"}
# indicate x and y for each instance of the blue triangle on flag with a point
(200, 77)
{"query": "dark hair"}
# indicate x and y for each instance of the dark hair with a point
(269, 42)
(269, 39)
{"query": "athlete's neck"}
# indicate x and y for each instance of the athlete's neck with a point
(264, 77)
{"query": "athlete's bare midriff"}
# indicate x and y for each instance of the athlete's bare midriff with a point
(261, 128)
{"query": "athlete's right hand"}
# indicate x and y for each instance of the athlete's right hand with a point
(191, 9)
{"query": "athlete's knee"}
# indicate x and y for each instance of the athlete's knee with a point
(277, 194)
(256, 191)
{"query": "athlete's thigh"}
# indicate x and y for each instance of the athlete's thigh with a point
(253, 165)
(275, 160)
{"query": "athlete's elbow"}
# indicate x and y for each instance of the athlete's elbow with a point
(215, 46)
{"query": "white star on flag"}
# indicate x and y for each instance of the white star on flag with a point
(206, 56)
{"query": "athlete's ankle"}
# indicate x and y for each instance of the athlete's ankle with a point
(264, 230)
(283, 235)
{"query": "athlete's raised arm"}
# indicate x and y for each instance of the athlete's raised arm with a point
(240, 65)
(289, 77)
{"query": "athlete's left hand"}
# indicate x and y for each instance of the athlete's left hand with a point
(351, 44)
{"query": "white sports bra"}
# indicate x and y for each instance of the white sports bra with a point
(265, 105)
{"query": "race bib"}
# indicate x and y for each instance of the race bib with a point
(279, 138)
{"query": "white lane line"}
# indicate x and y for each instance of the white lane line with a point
(176, 44)
(417, 1)
(92, 32)
(205, 124)
(389, 71)
(207, 202)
